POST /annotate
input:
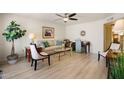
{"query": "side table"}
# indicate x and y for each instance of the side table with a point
(28, 54)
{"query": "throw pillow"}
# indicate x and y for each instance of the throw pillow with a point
(51, 42)
(41, 44)
(46, 43)
(59, 42)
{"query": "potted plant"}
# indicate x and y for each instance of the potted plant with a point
(117, 67)
(13, 32)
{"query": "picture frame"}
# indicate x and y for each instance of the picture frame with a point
(47, 32)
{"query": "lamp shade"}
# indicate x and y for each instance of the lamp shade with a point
(119, 26)
(32, 36)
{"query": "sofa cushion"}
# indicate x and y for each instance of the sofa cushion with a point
(51, 42)
(59, 42)
(40, 44)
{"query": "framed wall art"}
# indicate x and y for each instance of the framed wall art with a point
(48, 32)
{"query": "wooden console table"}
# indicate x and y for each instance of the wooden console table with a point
(85, 45)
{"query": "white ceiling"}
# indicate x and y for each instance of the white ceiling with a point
(51, 17)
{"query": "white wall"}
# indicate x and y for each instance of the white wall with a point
(94, 31)
(31, 25)
(114, 17)
(94, 34)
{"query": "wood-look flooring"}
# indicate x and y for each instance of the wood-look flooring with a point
(76, 66)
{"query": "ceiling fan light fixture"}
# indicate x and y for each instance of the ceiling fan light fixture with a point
(65, 19)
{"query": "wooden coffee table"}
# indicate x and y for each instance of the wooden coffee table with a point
(63, 50)
(56, 51)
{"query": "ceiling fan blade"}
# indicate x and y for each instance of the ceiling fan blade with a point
(60, 15)
(71, 15)
(73, 19)
(66, 14)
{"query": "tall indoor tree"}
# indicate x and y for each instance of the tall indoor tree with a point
(11, 33)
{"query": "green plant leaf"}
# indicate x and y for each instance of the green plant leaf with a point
(13, 31)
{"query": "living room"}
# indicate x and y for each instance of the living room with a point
(65, 46)
(92, 24)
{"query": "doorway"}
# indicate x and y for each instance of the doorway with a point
(110, 36)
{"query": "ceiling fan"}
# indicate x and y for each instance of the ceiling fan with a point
(66, 17)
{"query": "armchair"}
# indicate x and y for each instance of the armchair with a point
(36, 56)
(67, 43)
(113, 46)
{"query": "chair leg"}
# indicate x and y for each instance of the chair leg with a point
(49, 60)
(98, 56)
(106, 62)
(35, 67)
(32, 62)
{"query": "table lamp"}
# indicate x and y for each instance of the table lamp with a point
(119, 29)
(32, 37)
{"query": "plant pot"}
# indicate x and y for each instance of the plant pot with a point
(12, 59)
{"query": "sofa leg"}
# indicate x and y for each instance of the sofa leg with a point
(35, 67)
